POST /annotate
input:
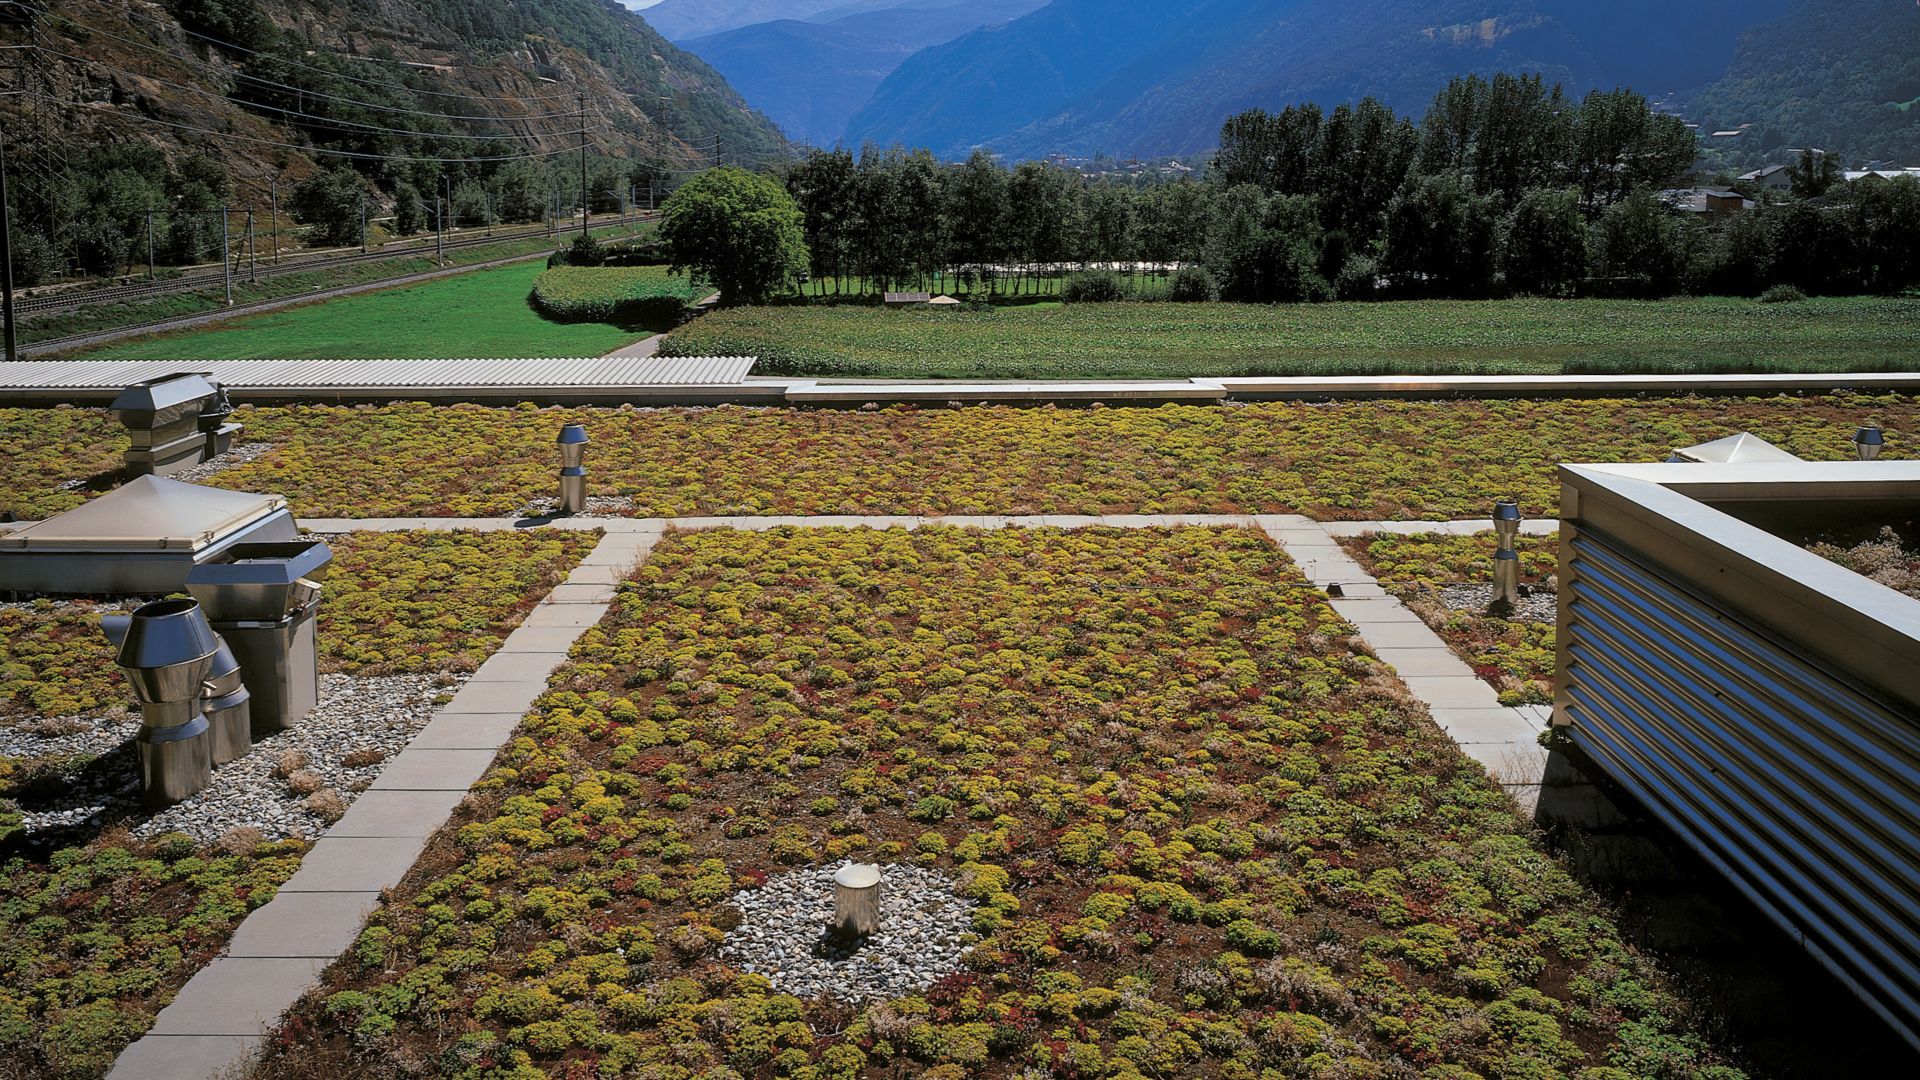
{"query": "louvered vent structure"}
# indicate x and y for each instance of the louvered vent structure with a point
(1762, 701)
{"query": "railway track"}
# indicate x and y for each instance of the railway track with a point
(28, 307)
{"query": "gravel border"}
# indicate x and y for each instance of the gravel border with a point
(1536, 604)
(376, 717)
(926, 929)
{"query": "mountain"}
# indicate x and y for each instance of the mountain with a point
(811, 76)
(1843, 75)
(266, 87)
(1152, 77)
(680, 20)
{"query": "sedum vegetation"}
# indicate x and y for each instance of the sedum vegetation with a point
(1513, 653)
(403, 603)
(1422, 460)
(1356, 460)
(1343, 461)
(95, 938)
(1206, 836)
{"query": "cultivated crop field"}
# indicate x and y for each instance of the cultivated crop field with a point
(1159, 340)
(99, 930)
(1441, 579)
(1348, 461)
(1202, 836)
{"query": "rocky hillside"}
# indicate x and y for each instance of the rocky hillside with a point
(262, 86)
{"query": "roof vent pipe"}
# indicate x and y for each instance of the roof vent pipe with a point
(573, 473)
(1506, 522)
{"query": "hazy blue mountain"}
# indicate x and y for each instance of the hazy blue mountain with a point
(1843, 75)
(1148, 77)
(811, 76)
(680, 20)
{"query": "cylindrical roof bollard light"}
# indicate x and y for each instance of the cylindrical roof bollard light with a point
(1868, 443)
(856, 901)
(573, 473)
(166, 657)
(1506, 577)
(1506, 522)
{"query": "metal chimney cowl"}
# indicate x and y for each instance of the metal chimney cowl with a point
(166, 656)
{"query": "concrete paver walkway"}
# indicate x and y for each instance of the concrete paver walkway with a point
(219, 1020)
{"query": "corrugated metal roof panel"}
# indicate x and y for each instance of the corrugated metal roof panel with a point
(530, 373)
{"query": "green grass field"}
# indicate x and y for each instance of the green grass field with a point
(1147, 340)
(482, 314)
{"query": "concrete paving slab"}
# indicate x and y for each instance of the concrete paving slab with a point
(1356, 590)
(428, 769)
(516, 667)
(1368, 611)
(597, 575)
(238, 995)
(580, 594)
(354, 864)
(466, 731)
(577, 615)
(498, 697)
(1495, 726)
(1413, 635)
(1456, 692)
(1413, 662)
(188, 1057)
(319, 925)
(541, 639)
(385, 814)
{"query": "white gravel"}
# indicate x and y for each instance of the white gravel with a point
(239, 455)
(598, 506)
(378, 714)
(1537, 603)
(925, 930)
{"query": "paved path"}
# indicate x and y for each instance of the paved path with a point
(648, 346)
(220, 1019)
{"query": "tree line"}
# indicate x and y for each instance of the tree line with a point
(1506, 186)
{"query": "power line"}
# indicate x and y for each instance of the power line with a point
(241, 73)
(370, 128)
(231, 46)
(324, 150)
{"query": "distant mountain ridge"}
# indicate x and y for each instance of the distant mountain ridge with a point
(810, 76)
(1843, 75)
(681, 20)
(1151, 77)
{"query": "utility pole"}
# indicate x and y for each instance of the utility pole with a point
(149, 245)
(486, 200)
(226, 252)
(6, 255)
(440, 240)
(583, 163)
(363, 224)
(273, 209)
(253, 263)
